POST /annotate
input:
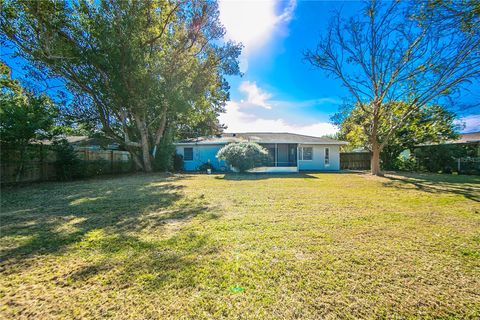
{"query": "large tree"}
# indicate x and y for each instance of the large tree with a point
(391, 51)
(133, 66)
(430, 124)
(24, 116)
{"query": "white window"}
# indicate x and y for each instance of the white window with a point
(327, 156)
(306, 153)
(187, 154)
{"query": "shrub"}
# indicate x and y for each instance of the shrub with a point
(68, 166)
(404, 163)
(243, 156)
(164, 159)
(177, 162)
(93, 168)
(204, 167)
(441, 158)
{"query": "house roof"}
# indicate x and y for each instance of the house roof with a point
(473, 137)
(467, 138)
(260, 137)
(69, 139)
(85, 141)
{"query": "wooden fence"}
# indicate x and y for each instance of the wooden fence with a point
(38, 163)
(355, 160)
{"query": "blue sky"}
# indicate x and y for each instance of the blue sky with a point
(279, 90)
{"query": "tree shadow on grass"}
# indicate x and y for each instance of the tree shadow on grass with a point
(129, 261)
(49, 218)
(467, 186)
(265, 176)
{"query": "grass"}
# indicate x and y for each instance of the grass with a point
(304, 246)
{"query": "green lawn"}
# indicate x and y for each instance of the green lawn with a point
(304, 246)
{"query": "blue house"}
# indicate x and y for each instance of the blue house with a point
(288, 152)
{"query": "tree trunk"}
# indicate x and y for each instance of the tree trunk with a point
(376, 148)
(159, 134)
(375, 160)
(147, 163)
(137, 160)
(146, 157)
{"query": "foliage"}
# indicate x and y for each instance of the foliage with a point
(459, 15)
(429, 124)
(442, 157)
(404, 163)
(134, 67)
(198, 122)
(93, 168)
(205, 166)
(68, 166)
(24, 117)
(164, 158)
(395, 51)
(244, 155)
(177, 162)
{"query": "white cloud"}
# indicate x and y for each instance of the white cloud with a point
(471, 123)
(240, 121)
(255, 95)
(240, 115)
(253, 23)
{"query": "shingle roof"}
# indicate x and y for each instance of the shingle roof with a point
(262, 137)
(473, 137)
(467, 138)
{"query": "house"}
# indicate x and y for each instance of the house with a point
(288, 152)
(470, 142)
(87, 143)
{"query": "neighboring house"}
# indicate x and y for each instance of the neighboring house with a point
(469, 140)
(288, 152)
(88, 143)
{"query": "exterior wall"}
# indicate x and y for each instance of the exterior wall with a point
(204, 153)
(201, 155)
(318, 159)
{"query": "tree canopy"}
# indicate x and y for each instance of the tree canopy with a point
(24, 116)
(134, 67)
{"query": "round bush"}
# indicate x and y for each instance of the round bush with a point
(243, 156)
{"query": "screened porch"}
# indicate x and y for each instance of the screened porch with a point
(281, 154)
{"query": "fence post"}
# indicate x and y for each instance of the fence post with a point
(458, 166)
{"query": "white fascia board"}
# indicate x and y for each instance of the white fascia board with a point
(337, 143)
(199, 143)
